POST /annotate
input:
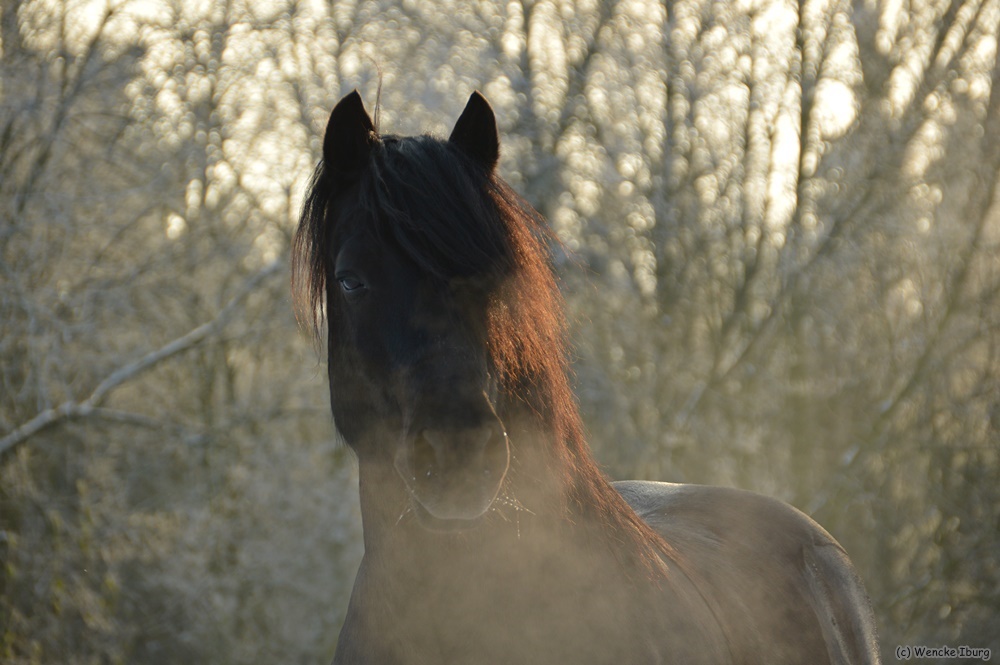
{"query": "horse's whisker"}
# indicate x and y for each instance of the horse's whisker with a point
(407, 509)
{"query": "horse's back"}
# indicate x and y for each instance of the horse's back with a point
(782, 589)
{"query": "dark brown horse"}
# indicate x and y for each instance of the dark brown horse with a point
(491, 536)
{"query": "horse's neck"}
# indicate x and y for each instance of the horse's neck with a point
(501, 572)
(547, 583)
(530, 586)
(532, 530)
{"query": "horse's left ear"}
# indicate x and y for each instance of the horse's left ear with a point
(476, 132)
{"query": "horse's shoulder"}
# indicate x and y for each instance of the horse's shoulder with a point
(722, 513)
(755, 552)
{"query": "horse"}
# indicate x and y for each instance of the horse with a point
(491, 535)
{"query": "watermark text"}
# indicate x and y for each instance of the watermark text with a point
(920, 652)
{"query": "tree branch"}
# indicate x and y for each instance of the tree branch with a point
(85, 407)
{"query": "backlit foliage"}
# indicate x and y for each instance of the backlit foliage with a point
(779, 232)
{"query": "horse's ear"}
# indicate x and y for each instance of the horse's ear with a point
(476, 132)
(349, 137)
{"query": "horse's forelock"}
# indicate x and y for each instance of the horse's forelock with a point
(308, 254)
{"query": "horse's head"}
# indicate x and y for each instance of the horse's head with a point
(406, 243)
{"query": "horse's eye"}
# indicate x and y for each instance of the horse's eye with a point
(350, 283)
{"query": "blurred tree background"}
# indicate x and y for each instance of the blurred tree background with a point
(781, 235)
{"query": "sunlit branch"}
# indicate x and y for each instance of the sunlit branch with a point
(71, 88)
(86, 407)
(889, 175)
(956, 291)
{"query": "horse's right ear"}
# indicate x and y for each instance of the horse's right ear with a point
(349, 137)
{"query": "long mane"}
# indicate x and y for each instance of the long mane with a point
(457, 220)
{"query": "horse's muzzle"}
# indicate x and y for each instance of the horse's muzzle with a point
(453, 474)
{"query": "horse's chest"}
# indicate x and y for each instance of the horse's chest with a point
(529, 629)
(528, 612)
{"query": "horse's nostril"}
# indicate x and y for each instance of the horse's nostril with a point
(456, 458)
(424, 457)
